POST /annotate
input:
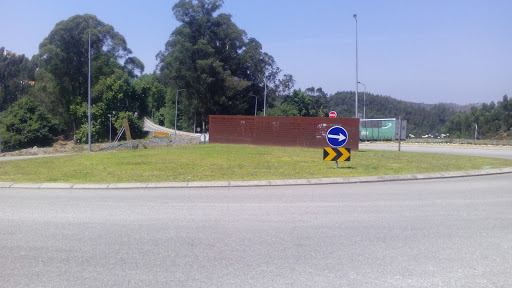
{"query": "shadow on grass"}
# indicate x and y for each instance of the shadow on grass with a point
(347, 168)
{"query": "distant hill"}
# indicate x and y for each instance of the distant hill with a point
(492, 121)
(455, 107)
(422, 119)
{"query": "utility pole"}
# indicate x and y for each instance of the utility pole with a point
(89, 87)
(357, 81)
(399, 133)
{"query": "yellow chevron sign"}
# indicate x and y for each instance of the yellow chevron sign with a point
(336, 154)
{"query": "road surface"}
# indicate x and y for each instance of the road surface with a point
(435, 233)
(468, 150)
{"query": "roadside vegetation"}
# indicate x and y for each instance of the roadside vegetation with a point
(214, 66)
(215, 162)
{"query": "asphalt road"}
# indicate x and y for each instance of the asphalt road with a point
(468, 150)
(435, 233)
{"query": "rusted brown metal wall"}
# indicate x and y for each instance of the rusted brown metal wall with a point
(280, 131)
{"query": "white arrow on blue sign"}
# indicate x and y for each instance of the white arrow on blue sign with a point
(337, 136)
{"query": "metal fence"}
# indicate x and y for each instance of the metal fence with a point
(280, 131)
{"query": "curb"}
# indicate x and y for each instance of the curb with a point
(288, 182)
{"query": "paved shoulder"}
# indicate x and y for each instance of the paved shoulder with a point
(504, 152)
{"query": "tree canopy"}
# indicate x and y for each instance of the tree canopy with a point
(17, 75)
(63, 60)
(214, 60)
(488, 121)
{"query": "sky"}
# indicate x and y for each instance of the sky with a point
(413, 50)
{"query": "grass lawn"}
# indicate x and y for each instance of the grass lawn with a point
(216, 162)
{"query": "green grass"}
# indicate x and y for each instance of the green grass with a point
(216, 162)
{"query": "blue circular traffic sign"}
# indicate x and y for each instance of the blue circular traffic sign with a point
(337, 136)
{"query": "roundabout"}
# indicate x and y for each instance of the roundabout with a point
(449, 232)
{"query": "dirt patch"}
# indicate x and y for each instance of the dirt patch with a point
(504, 136)
(69, 147)
(63, 143)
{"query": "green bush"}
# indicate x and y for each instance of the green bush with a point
(26, 124)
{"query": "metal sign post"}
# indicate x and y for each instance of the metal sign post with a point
(400, 134)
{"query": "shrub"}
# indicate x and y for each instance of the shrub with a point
(26, 124)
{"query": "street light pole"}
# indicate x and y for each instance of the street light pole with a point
(364, 100)
(89, 88)
(357, 81)
(176, 113)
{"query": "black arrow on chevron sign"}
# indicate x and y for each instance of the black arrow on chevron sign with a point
(336, 154)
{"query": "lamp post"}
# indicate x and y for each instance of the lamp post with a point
(364, 100)
(176, 113)
(110, 133)
(89, 88)
(357, 81)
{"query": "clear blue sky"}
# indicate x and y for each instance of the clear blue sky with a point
(420, 51)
